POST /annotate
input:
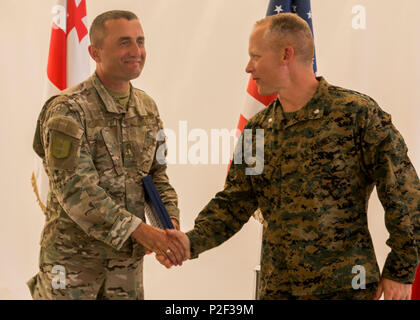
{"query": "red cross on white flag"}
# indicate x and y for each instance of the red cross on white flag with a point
(68, 64)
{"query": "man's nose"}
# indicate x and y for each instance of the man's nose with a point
(249, 67)
(137, 50)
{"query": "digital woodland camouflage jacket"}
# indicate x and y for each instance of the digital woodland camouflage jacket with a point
(320, 167)
(95, 153)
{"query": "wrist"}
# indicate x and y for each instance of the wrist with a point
(138, 232)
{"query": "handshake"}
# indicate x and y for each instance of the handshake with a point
(172, 247)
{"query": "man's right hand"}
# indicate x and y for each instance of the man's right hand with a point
(158, 241)
(175, 236)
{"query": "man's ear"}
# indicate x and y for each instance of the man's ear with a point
(94, 53)
(288, 54)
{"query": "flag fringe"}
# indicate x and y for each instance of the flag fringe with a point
(38, 198)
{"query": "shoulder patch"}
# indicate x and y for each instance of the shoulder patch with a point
(60, 147)
(64, 142)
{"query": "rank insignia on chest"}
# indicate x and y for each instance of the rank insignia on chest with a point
(60, 148)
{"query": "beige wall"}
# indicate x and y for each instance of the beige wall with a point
(197, 52)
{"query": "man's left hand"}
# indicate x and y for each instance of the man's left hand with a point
(175, 223)
(393, 290)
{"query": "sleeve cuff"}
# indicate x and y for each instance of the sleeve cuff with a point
(397, 271)
(122, 229)
(194, 250)
(173, 213)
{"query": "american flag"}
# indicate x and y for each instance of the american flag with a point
(254, 101)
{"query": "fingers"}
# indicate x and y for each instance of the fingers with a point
(162, 260)
(171, 232)
(394, 290)
(177, 253)
(174, 239)
(157, 240)
(379, 291)
(388, 294)
(172, 257)
(171, 248)
(171, 253)
(406, 292)
(175, 223)
(178, 250)
(174, 251)
(391, 294)
(182, 239)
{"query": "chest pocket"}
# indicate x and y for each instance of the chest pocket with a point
(329, 162)
(142, 140)
(113, 149)
(107, 158)
(329, 156)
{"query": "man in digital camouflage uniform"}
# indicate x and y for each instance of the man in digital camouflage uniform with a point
(325, 148)
(97, 141)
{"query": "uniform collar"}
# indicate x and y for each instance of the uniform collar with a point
(109, 102)
(136, 102)
(314, 109)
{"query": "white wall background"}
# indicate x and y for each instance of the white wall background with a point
(197, 52)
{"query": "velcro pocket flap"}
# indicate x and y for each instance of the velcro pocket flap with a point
(65, 125)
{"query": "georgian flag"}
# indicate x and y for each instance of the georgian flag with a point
(68, 64)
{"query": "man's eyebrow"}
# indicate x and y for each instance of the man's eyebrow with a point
(123, 38)
(129, 38)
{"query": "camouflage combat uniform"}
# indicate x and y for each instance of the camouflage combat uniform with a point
(321, 164)
(95, 153)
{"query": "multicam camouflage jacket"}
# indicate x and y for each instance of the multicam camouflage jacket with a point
(321, 164)
(95, 153)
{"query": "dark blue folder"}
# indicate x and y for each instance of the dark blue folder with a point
(157, 213)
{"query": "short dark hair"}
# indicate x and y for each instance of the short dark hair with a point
(97, 29)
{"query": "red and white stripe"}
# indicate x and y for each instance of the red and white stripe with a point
(253, 104)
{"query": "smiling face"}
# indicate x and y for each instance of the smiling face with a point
(122, 54)
(265, 64)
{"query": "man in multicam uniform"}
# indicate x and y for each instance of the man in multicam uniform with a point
(97, 141)
(325, 148)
